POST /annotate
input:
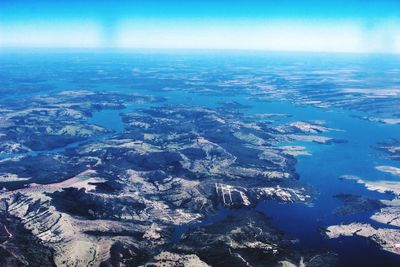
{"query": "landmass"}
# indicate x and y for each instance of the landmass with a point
(118, 198)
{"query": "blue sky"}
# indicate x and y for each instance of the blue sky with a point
(301, 25)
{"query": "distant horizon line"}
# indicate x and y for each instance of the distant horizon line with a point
(22, 49)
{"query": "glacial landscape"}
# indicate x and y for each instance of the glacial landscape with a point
(199, 159)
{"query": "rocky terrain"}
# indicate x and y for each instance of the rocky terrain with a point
(384, 212)
(246, 239)
(355, 204)
(391, 148)
(118, 198)
(388, 239)
(47, 122)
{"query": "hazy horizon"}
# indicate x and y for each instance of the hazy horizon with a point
(302, 26)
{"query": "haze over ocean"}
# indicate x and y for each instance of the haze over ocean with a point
(329, 26)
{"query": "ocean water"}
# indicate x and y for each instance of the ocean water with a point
(151, 74)
(322, 170)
